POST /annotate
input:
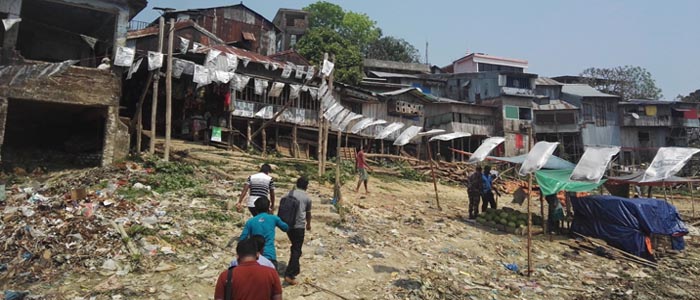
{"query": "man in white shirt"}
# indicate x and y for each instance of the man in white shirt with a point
(259, 184)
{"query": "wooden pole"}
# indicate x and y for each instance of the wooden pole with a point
(264, 142)
(452, 143)
(544, 223)
(321, 124)
(663, 185)
(692, 200)
(295, 144)
(529, 228)
(249, 135)
(169, 91)
(432, 173)
(156, 77)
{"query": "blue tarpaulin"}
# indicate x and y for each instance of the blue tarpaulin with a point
(554, 162)
(626, 223)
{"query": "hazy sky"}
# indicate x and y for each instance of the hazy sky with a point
(556, 37)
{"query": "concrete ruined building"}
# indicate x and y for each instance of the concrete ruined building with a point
(293, 23)
(55, 104)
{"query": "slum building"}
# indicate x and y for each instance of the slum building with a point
(556, 120)
(56, 105)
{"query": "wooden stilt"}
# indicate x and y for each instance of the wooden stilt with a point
(321, 124)
(529, 227)
(295, 143)
(169, 91)
(264, 141)
(381, 146)
(156, 77)
(432, 173)
(663, 185)
(277, 137)
(249, 135)
(544, 223)
(692, 200)
(326, 129)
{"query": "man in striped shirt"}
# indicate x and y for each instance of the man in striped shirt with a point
(259, 185)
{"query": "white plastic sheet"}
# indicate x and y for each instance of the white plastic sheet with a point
(389, 130)
(124, 56)
(211, 55)
(184, 44)
(449, 136)
(592, 165)
(332, 111)
(201, 75)
(485, 148)
(299, 72)
(310, 72)
(260, 86)
(407, 135)
(91, 41)
(134, 67)
(239, 82)
(327, 67)
(232, 62)
(246, 61)
(340, 117)
(276, 89)
(220, 76)
(537, 158)
(327, 101)
(266, 112)
(287, 70)
(362, 124)
(432, 132)
(667, 162)
(155, 60)
(294, 90)
(178, 67)
(9, 22)
(374, 123)
(351, 117)
(196, 46)
(313, 92)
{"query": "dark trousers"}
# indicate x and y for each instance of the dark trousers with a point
(474, 199)
(488, 200)
(296, 236)
(253, 211)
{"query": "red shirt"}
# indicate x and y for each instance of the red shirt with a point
(251, 281)
(361, 163)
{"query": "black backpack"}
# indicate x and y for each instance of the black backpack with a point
(228, 294)
(289, 209)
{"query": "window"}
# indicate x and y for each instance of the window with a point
(544, 119)
(512, 112)
(566, 118)
(525, 113)
(643, 136)
(482, 67)
(518, 82)
(600, 114)
(587, 112)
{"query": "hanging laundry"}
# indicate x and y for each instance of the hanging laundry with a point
(211, 55)
(184, 44)
(124, 56)
(287, 70)
(155, 60)
(299, 72)
(260, 86)
(276, 89)
(134, 67)
(239, 82)
(294, 90)
(232, 62)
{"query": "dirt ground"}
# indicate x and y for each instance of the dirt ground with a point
(392, 244)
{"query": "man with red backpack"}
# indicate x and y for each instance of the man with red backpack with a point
(249, 280)
(295, 210)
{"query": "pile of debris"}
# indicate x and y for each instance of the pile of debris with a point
(71, 222)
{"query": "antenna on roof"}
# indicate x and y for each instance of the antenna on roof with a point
(426, 53)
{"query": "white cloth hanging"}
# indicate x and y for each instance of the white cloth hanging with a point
(276, 89)
(124, 56)
(155, 60)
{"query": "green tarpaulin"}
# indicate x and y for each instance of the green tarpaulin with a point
(553, 181)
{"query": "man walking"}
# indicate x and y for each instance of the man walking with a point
(264, 224)
(248, 280)
(259, 185)
(474, 188)
(296, 234)
(362, 168)
(487, 189)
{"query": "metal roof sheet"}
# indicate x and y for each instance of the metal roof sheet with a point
(584, 90)
(554, 105)
(546, 81)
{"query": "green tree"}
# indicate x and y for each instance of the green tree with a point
(394, 49)
(325, 14)
(692, 97)
(360, 30)
(348, 60)
(628, 82)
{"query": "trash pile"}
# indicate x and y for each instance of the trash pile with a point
(507, 219)
(70, 222)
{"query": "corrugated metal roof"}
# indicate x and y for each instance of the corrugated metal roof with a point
(398, 92)
(554, 105)
(153, 30)
(391, 75)
(646, 102)
(546, 81)
(583, 90)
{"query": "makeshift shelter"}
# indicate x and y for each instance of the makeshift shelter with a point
(554, 162)
(628, 224)
(553, 181)
(620, 185)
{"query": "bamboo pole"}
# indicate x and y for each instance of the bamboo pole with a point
(432, 173)
(156, 77)
(692, 200)
(544, 223)
(169, 91)
(264, 142)
(321, 125)
(295, 144)
(529, 228)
